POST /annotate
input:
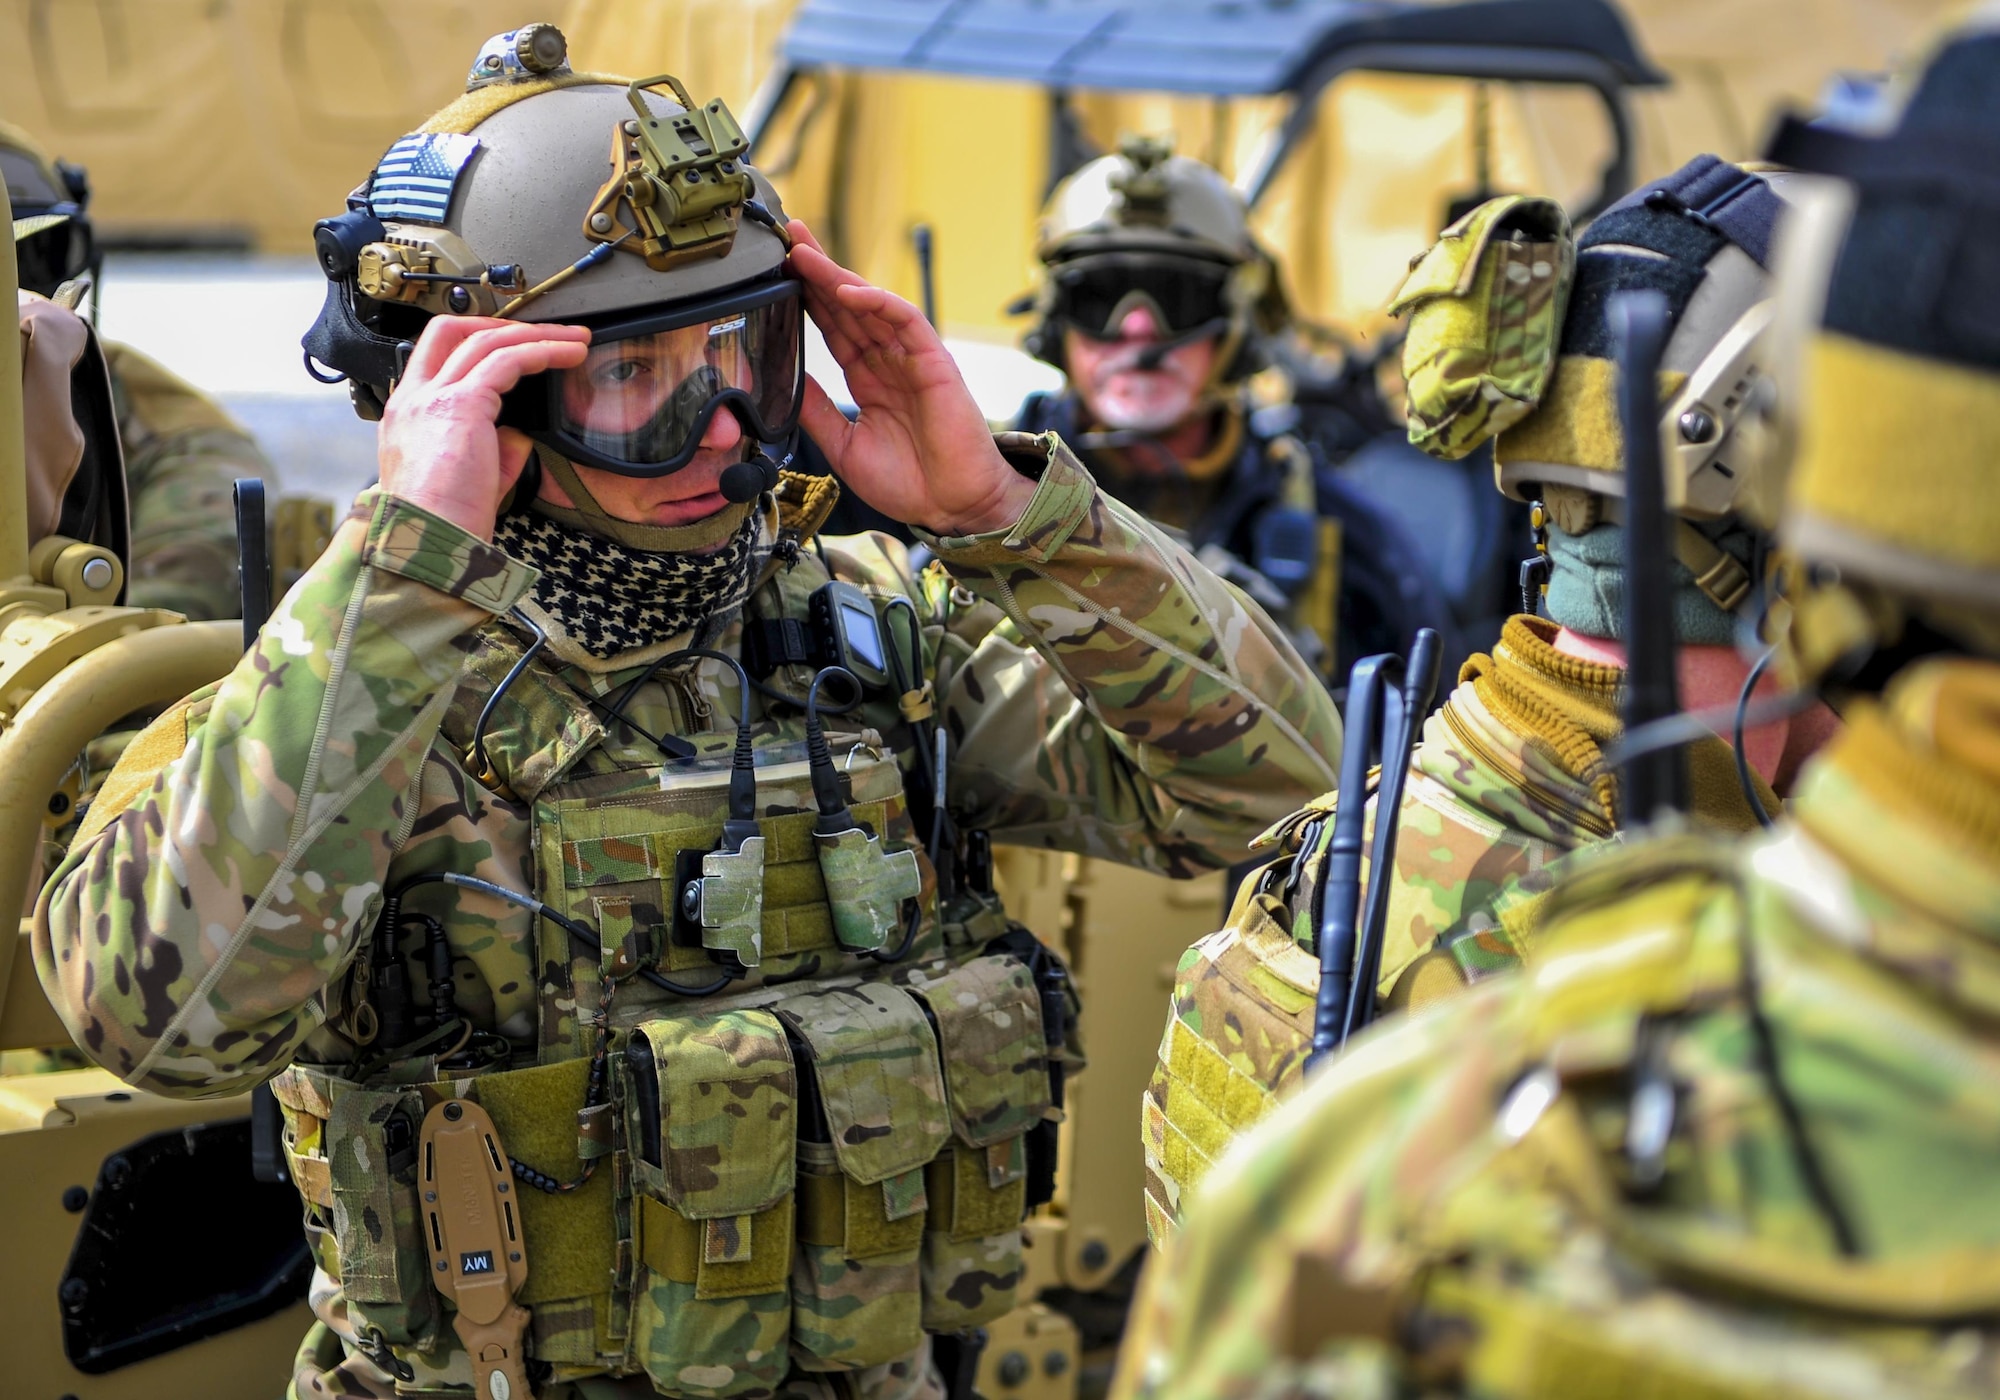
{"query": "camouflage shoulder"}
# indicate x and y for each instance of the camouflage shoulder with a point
(1453, 860)
(145, 758)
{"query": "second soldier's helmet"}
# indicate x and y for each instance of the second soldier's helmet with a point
(548, 195)
(53, 239)
(1145, 227)
(1509, 342)
(1891, 504)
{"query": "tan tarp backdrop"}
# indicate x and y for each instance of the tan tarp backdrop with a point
(255, 117)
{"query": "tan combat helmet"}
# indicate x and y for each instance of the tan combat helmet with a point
(53, 240)
(1148, 227)
(1508, 342)
(1892, 506)
(555, 196)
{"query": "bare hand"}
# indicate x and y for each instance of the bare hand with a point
(438, 446)
(921, 451)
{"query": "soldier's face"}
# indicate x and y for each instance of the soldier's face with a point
(624, 385)
(1121, 390)
(690, 494)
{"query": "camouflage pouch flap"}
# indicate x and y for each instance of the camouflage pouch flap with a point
(1486, 310)
(988, 1018)
(538, 729)
(876, 1064)
(728, 1112)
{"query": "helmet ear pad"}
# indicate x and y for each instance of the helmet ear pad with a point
(340, 341)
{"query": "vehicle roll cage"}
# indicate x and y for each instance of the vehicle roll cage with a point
(1224, 48)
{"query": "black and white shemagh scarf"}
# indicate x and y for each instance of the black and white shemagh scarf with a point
(611, 599)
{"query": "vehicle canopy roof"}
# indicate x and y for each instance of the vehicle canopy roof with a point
(1223, 48)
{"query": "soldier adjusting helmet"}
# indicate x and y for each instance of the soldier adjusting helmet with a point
(548, 195)
(1146, 227)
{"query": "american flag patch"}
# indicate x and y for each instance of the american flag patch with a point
(415, 179)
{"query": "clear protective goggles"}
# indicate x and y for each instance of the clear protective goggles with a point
(643, 398)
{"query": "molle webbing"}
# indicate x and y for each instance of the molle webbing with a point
(797, 918)
(572, 1239)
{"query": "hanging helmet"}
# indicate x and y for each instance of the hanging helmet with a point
(553, 196)
(1146, 227)
(1890, 504)
(53, 240)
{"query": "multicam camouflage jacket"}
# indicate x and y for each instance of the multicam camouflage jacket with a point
(1730, 1134)
(265, 870)
(1508, 782)
(183, 456)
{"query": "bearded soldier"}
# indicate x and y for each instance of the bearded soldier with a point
(1511, 775)
(594, 854)
(1730, 1134)
(1158, 305)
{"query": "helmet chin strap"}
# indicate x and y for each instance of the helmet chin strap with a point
(585, 513)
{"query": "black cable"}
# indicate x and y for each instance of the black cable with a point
(1804, 1155)
(541, 639)
(1736, 738)
(834, 817)
(926, 729)
(1689, 726)
(580, 933)
(902, 950)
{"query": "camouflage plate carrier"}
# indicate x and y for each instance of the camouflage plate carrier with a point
(808, 1169)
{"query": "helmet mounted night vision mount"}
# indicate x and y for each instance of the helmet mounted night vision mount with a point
(679, 178)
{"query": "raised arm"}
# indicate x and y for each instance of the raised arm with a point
(186, 939)
(1131, 704)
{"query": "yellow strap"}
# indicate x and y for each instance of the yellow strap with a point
(1716, 571)
(463, 113)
